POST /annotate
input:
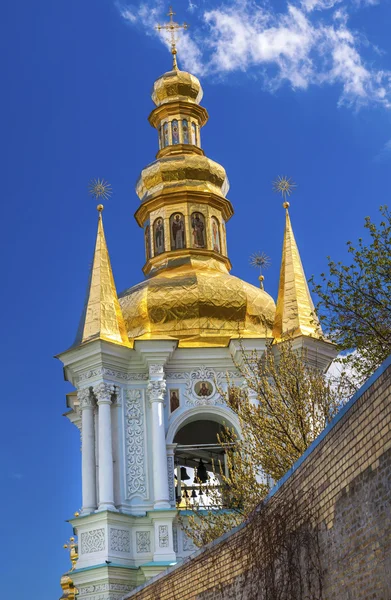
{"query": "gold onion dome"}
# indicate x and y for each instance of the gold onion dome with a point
(177, 85)
(198, 303)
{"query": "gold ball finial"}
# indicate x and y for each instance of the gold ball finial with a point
(100, 207)
(286, 204)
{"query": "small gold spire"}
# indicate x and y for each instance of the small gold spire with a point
(172, 27)
(102, 316)
(295, 313)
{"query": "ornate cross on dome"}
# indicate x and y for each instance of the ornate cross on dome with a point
(172, 27)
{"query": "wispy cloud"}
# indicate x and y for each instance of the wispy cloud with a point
(16, 476)
(385, 153)
(310, 43)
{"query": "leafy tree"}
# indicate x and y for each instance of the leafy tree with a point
(282, 407)
(354, 303)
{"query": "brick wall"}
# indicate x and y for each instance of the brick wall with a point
(347, 471)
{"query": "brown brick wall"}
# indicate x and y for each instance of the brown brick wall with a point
(349, 474)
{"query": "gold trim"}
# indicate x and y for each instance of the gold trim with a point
(171, 198)
(171, 259)
(177, 108)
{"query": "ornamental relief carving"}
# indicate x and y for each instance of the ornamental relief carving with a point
(163, 536)
(170, 474)
(136, 476)
(104, 587)
(119, 540)
(104, 391)
(92, 541)
(202, 387)
(143, 541)
(156, 390)
(112, 373)
(86, 399)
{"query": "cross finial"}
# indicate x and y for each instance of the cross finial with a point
(172, 27)
(73, 552)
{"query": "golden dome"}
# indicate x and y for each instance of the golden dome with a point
(177, 85)
(196, 301)
(191, 170)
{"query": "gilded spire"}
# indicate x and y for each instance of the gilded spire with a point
(172, 28)
(102, 316)
(295, 314)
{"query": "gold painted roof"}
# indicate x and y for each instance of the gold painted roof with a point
(184, 171)
(295, 310)
(196, 301)
(177, 85)
(102, 317)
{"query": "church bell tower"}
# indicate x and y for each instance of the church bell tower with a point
(147, 364)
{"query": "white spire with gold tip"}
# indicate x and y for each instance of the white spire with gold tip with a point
(295, 313)
(102, 317)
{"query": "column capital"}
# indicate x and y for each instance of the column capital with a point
(85, 397)
(103, 392)
(156, 390)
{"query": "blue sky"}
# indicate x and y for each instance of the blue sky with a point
(302, 89)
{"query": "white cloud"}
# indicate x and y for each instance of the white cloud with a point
(385, 153)
(308, 44)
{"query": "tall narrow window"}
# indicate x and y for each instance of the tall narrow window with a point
(215, 235)
(147, 242)
(198, 230)
(175, 132)
(194, 134)
(185, 131)
(165, 134)
(160, 137)
(158, 236)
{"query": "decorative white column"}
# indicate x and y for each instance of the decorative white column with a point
(156, 391)
(103, 393)
(88, 461)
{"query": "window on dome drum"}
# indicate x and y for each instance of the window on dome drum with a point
(177, 231)
(147, 242)
(215, 234)
(158, 236)
(194, 134)
(198, 230)
(165, 134)
(185, 131)
(175, 132)
(160, 137)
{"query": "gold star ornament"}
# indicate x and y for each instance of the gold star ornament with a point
(99, 189)
(284, 185)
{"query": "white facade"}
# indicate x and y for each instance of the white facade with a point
(128, 529)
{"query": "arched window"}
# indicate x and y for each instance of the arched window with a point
(158, 236)
(160, 137)
(198, 230)
(185, 131)
(147, 235)
(175, 132)
(215, 235)
(194, 134)
(165, 134)
(177, 231)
